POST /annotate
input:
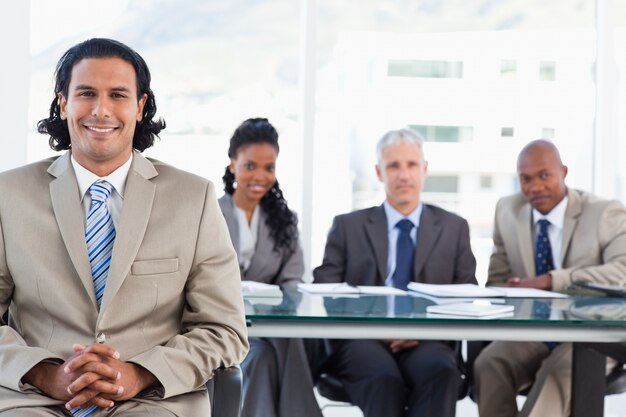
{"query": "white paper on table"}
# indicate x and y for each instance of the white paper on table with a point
(454, 290)
(380, 290)
(474, 309)
(260, 289)
(521, 292)
(332, 288)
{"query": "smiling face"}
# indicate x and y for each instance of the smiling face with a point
(102, 110)
(403, 170)
(254, 170)
(542, 176)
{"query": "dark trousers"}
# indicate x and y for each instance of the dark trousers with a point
(417, 382)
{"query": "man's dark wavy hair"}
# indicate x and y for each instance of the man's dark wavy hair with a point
(281, 221)
(145, 131)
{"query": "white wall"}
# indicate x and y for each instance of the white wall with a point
(14, 82)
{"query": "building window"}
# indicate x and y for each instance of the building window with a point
(508, 69)
(547, 70)
(547, 133)
(486, 182)
(425, 69)
(444, 133)
(442, 184)
(506, 132)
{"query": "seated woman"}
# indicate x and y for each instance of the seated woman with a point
(277, 380)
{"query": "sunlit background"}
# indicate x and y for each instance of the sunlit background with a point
(478, 78)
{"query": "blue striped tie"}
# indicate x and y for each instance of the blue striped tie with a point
(84, 412)
(100, 235)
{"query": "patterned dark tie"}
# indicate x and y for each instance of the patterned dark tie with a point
(405, 254)
(543, 264)
(543, 250)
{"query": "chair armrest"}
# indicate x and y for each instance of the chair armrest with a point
(225, 392)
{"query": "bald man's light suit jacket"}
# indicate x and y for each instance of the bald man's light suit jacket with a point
(593, 248)
(172, 302)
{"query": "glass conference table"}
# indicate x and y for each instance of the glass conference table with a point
(579, 319)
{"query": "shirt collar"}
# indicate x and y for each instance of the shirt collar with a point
(394, 216)
(117, 178)
(556, 216)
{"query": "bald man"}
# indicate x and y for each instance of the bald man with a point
(546, 237)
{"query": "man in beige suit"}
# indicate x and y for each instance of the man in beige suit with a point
(584, 239)
(144, 340)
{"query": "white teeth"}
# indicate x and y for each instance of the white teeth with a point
(100, 130)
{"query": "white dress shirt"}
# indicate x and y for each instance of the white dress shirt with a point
(117, 179)
(248, 235)
(556, 217)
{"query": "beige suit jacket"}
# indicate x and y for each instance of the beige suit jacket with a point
(172, 302)
(594, 241)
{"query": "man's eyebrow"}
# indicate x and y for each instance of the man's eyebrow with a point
(83, 87)
(88, 87)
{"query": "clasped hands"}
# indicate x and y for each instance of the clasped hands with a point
(93, 375)
(542, 282)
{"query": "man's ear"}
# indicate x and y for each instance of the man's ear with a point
(379, 173)
(62, 105)
(140, 106)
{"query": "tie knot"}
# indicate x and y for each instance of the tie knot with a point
(405, 225)
(543, 225)
(100, 191)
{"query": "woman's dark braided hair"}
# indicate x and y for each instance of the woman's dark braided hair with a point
(280, 220)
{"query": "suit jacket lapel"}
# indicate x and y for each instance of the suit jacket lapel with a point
(262, 251)
(68, 211)
(428, 233)
(231, 220)
(376, 230)
(525, 240)
(572, 212)
(138, 198)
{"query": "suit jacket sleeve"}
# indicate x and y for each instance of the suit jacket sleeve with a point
(213, 330)
(499, 269)
(465, 263)
(16, 357)
(611, 239)
(293, 267)
(333, 264)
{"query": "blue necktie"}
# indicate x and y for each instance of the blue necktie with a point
(543, 264)
(100, 236)
(405, 254)
(543, 250)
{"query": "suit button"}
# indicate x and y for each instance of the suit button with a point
(101, 338)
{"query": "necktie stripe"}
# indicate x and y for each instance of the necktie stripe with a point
(100, 242)
(83, 412)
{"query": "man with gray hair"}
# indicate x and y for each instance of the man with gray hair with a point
(400, 241)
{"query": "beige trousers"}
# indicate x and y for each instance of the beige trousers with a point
(503, 369)
(124, 409)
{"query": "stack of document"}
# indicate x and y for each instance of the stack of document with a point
(474, 291)
(260, 289)
(466, 310)
(343, 288)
